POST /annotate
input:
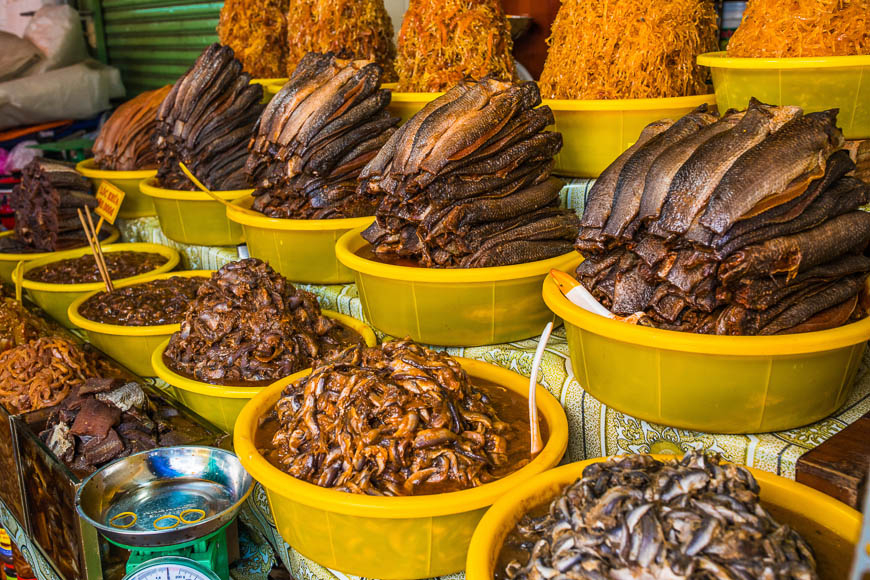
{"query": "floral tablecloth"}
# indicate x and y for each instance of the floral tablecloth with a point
(595, 429)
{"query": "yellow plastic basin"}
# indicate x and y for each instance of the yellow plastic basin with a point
(270, 87)
(56, 298)
(192, 217)
(220, 404)
(130, 345)
(455, 307)
(8, 262)
(406, 105)
(831, 528)
(596, 132)
(388, 537)
(718, 384)
(299, 250)
(135, 204)
(815, 84)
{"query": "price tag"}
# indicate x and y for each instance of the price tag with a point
(109, 199)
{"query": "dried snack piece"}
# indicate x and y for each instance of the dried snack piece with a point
(248, 324)
(629, 49)
(443, 42)
(125, 142)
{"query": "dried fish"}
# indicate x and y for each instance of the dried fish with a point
(637, 517)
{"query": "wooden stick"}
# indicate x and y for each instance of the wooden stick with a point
(103, 274)
(213, 195)
(99, 251)
(537, 442)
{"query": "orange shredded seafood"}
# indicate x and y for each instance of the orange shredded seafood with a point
(44, 371)
(358, 29)
(802, 28)
(629, 49)
(256, 31)
(18, 326)
(442, 43)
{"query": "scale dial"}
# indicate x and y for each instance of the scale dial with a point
(171, 568)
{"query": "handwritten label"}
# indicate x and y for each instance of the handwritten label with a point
(109, 199)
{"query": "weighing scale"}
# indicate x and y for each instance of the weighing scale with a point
(171, 508)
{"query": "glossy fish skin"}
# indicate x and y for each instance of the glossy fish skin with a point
(630, 185)
(830, 295)
(797, 252)
(797, 152)
(600, 197)
(695, 181)
(661, 173)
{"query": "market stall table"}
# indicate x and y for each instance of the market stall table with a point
(596, 430)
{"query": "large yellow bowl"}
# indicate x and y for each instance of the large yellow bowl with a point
(220, 404)
(270, 87)
(8, 262)
(718, 384)
(813, 83)
(388, 537)
(299, 250)
(192, 217)
(596, 132)
(56, 298)
(406, 105)
(135, 204)
(129, 345)
(831, 528)
(452, 307)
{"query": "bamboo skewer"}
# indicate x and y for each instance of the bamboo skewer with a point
(94, 243)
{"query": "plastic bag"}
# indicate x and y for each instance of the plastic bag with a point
(17, 56)
(57, 32)
(74, 92)
(21, 155)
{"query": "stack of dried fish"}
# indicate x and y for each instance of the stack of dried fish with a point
(104, 419)
(126, 140)
(206, 121)
(748, 224)
(466, 182)
(314, 138)
(249, 324)
(388, 420)
(636, 517)
(46, 203)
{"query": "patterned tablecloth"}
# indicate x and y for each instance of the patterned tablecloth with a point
(595, 429)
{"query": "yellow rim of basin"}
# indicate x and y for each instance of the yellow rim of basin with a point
(276, 481)
(114, 234)
(121, 330)
(149, 188)
(89, 169)
(352, 242)
(270, 223)
(781, 345)
(722, 60)
(567, 105)
(171, 255)
(237, 392)
(486, 543)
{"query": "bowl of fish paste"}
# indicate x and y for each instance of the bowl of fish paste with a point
(657, 516)
(359, 509)
(732, 251)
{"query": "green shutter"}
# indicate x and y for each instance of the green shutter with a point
(153, 42)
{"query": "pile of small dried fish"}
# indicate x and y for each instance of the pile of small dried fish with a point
(46, 203)
(126, 139)
(104, 419)
(206, 121)
(748, 224)
(466, 182)
(314, 138)
(392, 420)
(249, 324)
(636, 517)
